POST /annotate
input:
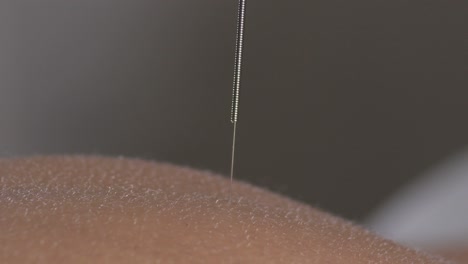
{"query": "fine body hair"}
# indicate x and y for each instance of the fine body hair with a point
(86, 209)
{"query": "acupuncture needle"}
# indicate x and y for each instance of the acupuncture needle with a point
(237, 81)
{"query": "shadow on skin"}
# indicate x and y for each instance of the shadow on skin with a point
(97, 210)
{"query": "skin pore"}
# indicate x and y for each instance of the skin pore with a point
(80, 209)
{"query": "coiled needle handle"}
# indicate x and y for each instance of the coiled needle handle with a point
(237, 80)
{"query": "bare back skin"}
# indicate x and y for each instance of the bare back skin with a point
(80, 209)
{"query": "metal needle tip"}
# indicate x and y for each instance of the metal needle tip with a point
(232, 159)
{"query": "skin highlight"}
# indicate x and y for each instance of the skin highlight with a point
(88, 209)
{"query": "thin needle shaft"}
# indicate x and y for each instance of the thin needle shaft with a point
(232, 158)
(236, 81)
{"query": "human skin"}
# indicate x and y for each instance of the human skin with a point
(80, 209)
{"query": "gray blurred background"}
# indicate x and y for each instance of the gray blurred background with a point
(342, 101)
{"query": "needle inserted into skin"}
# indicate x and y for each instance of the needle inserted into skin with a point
(236, 82)
(232, 159)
